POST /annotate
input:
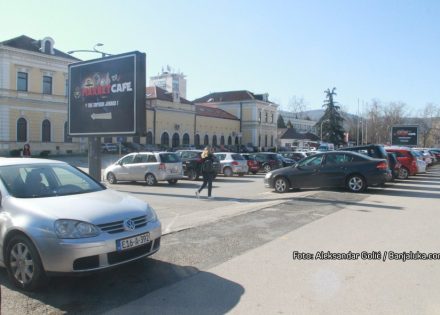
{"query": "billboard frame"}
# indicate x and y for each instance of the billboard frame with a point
(403, 127)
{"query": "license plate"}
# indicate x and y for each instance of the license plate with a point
(130, 242)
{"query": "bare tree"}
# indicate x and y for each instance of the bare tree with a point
(427, 121)
(298, 106)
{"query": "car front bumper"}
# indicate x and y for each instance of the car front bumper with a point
(90, 254)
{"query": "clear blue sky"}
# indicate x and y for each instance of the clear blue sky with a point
(383, 49)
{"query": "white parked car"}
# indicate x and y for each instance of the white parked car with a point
(232, 163)
(56, 219)
(150, 167)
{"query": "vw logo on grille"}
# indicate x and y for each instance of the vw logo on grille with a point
(129, 225)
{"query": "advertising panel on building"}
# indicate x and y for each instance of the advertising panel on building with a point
(404, 135)
(107, 95)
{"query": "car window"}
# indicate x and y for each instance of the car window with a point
(311, 161)
(237, 157)
(169, 158)
(151, 158)
(221, 156)
(335, 159)
(127, 159)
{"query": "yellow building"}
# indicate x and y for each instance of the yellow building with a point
(257, 114)
(33, 96)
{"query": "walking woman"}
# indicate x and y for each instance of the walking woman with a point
(208, 171)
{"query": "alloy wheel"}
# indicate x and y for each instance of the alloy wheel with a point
(22, 263)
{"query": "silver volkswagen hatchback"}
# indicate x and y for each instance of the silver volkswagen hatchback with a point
(150, 167)
(56, 219)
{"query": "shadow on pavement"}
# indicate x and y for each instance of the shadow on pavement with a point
(105, 291)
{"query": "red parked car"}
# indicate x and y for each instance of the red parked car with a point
(408, 160)
(253, 164)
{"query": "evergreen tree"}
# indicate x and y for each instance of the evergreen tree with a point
(280, 122)
(331, 121)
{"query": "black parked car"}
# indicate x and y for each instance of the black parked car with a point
(375, 151)
(286, 161)
(294, 155)
(330, 169)
(192, 163)
(268, 161)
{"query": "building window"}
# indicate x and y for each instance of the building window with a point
(22, 81)
(175, 140)
(149, 139)
(45, 131)
(137, 139)
(67, 138)
(265, 140)
(214, 140)
(206, 141)
(259, 116)
(197, 140)
(185, 139)
(271, 118)
(165, 139)
(47, 85)
(265, 117)
(222, 140)
(229, 140)
(236, 140)
(271, 141)
(259, 140)
(21, 130)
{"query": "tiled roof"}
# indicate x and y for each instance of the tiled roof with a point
(155, 92)
(230, 96)
(291, 133)
(213, 112)
(30, 44)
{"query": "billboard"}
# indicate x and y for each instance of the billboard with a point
(107, 96)
(404, 135)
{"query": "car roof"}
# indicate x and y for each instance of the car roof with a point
(28, 161)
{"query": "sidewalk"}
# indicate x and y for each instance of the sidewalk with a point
(272, 282)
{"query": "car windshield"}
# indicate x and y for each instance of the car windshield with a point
(46, 180)
(238, 157)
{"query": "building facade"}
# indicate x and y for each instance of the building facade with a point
(258, 116)
(33, 96)
(299, 124)
(170, 81)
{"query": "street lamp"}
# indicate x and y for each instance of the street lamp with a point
(93, 50)
(321, 126)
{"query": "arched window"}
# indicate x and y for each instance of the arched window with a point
(165, 139)
(229, 140)
(265, 140)
(236, 140)
(197, 140)
(67, 138)
(222, 140)
(149, 139)
(45, 131)
(185, 139)
(21, 130)
(206, 141)
(214, 140)
(175, 140)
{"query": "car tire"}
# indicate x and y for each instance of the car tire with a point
(403, 173)
(356, 183)
(281, 184)
(192, 175)
(150, 180)
(227, 171)
(267, 168)
(172, 181)
(23, 263)
(111, 178)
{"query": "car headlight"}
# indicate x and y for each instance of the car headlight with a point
(268, 175)
(151, 214)
(65, 228)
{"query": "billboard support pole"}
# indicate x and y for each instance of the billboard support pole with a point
(94, 157)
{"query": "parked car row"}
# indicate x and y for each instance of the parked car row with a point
(355, 168)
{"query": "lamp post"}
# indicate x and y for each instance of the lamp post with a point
(321, 126)
(94, 151)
